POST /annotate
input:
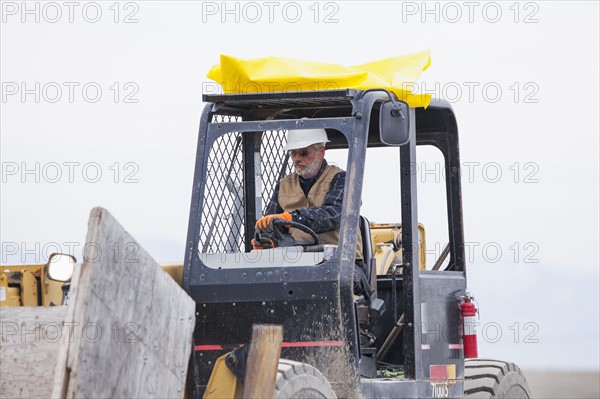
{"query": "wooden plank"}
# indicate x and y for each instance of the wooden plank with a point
(263, 357)
(133, 323)
(30, 340)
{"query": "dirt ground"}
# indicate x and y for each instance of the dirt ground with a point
(556, 384)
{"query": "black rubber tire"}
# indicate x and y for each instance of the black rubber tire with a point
(301, 381)
(488, 378)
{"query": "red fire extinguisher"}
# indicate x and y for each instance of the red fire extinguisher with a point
(468, 313)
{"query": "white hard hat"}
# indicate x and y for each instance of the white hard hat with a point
(305, 137)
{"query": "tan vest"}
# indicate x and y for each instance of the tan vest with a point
(291, 197)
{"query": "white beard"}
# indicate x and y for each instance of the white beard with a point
(310, 170)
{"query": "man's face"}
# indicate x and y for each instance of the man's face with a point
(307, 161)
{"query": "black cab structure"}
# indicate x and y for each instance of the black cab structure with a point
(410, 314)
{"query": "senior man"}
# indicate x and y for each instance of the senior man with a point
(312, 195)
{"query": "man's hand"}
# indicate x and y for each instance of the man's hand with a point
(265, 241)
(265, 224)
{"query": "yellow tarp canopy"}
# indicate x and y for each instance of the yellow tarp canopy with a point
(273, 74)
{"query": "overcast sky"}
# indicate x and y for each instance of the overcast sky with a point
(101, 103)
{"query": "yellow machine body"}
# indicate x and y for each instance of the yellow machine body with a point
(386, 243)
(28, 285)
(223, 383)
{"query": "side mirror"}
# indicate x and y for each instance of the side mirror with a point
(60, 267)
(394, 123)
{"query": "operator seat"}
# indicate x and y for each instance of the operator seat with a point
(365, 230)
(376, 306)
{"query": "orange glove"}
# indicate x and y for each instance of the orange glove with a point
(264, 241)
(265, 224)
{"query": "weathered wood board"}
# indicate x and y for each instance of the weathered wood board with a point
(263, 358)
(132, 323)
(29, 342)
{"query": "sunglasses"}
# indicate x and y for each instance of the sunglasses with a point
(302, 153)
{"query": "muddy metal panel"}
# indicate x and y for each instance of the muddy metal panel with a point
(441, 344)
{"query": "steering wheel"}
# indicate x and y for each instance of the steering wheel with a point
(287, 240)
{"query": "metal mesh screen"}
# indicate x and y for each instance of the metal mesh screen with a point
(222, 223)
(272, 159)
(222, 227)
